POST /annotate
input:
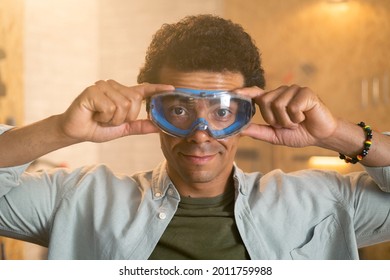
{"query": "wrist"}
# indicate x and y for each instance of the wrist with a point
(366, 146)
(60, 135)
(347, 139)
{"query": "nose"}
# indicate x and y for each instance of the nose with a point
(200, 132)
(199, 136)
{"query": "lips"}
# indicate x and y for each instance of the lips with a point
(198, 159)
(198, 154)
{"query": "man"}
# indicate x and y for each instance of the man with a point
(198, 75)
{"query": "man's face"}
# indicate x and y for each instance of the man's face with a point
(199, 158)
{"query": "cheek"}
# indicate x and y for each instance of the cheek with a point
(230, 146)
(167, 144)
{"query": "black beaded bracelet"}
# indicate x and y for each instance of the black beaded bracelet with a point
(367, 145)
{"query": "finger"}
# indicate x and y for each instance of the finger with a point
(302, 102)
(122, 108)
(147, 90)
(136, 94)
(131, 99)
(262, 98)
(141, 127)
(118, 107)
(264, 101)
(260, 132)
(141, 91)
(95, 101)
(281, 107)
(104, 110)
(251, 92)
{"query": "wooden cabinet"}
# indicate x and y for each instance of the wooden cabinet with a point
(340, 50)
(11, 61)
(11, 87)
(11, 249)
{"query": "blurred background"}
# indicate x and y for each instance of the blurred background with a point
(50, 50)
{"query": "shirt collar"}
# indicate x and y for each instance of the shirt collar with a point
(161, 182)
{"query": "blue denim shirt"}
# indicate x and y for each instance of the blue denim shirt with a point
(92, 213)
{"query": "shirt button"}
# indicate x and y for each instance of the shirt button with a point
(170, 192)
(162, 215)
(157, 194)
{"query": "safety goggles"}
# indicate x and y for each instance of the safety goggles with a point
(184, 111)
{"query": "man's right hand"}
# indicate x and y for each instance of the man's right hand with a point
(102, 112)
(108, 110)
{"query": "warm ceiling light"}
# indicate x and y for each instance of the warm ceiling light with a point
(315, 161)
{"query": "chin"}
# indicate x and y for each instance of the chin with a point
(198, 177)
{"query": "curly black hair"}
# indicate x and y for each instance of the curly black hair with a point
(203, 43)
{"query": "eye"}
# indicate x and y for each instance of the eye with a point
(178, 111)
(223, 113)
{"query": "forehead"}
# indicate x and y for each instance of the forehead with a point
(202, 79)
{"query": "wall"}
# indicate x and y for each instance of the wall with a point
(61, 59)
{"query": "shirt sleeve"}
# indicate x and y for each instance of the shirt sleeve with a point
(381, 175)
(28, 200)
(371, 203)
(8, 175)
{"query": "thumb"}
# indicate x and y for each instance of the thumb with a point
(260, 132)
(138, 127)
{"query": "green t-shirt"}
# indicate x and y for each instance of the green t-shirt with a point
(202, 228)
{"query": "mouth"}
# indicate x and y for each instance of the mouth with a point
(198, 159)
